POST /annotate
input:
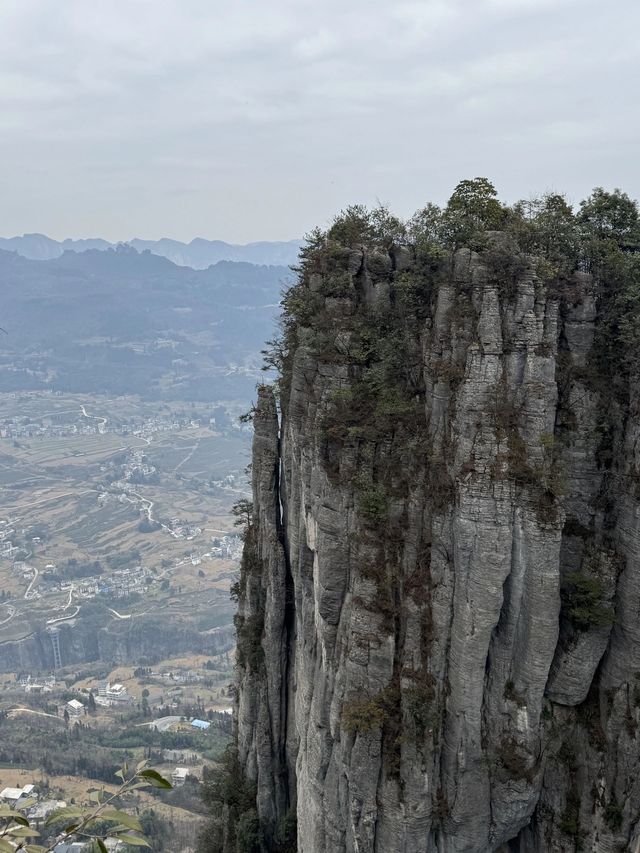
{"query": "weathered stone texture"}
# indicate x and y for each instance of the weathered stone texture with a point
(500, 719)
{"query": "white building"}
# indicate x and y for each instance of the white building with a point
(113, 694)
(179, 776)
(16, 797)
(75, 708)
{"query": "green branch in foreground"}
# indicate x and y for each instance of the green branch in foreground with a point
(16, 832)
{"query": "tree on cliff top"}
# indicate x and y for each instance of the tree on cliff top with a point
(472, 208)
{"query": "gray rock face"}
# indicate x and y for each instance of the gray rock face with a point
(118, 642)
(446, 646)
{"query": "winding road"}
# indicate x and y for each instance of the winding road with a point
(27, 594)
(64, 618)
(92, 417)
(148, 508)
(118, 615)
(11, 712)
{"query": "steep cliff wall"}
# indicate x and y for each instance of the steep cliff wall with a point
(438, 628)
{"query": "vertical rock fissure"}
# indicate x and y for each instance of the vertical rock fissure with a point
(288, 625)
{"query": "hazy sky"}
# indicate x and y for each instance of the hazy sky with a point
(257, 119)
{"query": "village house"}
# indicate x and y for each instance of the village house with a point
(179, 776)
(16, 797)
(113, 694)
(74, 708)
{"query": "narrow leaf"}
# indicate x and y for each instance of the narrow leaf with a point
(122, 817)
(5, 811)
(133, 840)
(62, 814)
(155, 778)
(22, 832)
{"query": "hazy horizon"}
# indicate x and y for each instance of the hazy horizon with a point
(137, 237)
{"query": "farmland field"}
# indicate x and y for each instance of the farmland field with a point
(93, 486)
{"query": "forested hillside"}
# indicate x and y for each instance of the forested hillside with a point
(120, 322)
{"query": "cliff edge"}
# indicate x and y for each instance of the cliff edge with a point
(438, 624)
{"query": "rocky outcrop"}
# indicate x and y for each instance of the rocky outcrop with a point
(117, 642)
(439, 643)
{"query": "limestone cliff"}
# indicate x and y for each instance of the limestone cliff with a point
(439, 607)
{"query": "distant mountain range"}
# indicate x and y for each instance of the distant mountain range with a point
(118, 321)
(198, 254)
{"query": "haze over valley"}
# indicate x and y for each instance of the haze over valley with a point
(120, 322)
(122, 378)
(198, 253)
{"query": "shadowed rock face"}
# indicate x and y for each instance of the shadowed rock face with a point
(116, 643)
(439, 611)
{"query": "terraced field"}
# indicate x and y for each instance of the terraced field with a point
(68, 498)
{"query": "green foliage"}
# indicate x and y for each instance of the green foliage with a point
(242, 511)
(611, 216)
(362, 715)
(247, 417)
(505, 267)
(583, 600)
(156, 828)
(248, 832)
(357, 225)
(472, 209)
(92, 824)
(249, 641)
(231, 800)
(610, 244)
(546, 228)
(123, 558)
(372, 501)
(514, 759)
(544, 480)
(351, 227)
(337, 284)
(423, 229)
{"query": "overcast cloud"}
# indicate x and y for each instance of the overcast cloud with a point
(252, 120)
